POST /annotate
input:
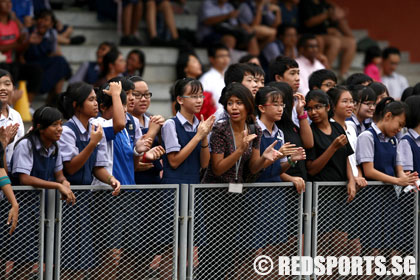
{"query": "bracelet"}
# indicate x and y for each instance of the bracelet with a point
(109, 179)
(205, 146)
(136, 153)
(289, 160)
(4, 181)
(144, 159)
(303, 116)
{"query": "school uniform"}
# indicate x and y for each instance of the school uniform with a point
(12, 118)
(151, 176)
(358, 126)
(374, 146)
(266, 211)
(408, 151)
(79, 246)
(408, 156)
(177, 132)
(31, 158)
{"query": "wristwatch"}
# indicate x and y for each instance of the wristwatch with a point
(290, 161)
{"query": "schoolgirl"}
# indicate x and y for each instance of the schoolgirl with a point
(328, 161)
(408, 151)
(270, 107)
(149, 172)
(365, 102)
(37, 162)
(82, 148)
(125, 134)
(185, 137)
(8, 115)
(343, 106)
(376, 152)
(408, 157)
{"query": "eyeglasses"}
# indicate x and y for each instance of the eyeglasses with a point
(276, 105)
(348, 102)
(329, 84)
(195, 97)
(139, 95)
(369, 104)
(317, 107)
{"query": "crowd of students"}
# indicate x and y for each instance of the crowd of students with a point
(229, 124)
(262, 133)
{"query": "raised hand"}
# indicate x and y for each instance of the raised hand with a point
(155, 153)
(288, 149)
(299, 103)
(144, 144)
(340, 141)
(96, 134)
(299, 154)
(246, 139)
(271, 153)
(114, 89)
(157, 119)
(205, 126)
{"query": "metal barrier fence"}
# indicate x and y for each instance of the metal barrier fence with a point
(144, 234)
(22, 253)
(130, 236)
(380, 221)
(229, 230)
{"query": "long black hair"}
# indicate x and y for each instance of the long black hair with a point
(42, 118)
(77, 92)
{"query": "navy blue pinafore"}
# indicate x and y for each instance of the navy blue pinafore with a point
(416, 152)
(189, 171)
(151, 176)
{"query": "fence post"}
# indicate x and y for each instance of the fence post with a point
(307, 220)
(58, 238)
(183, 232)
(50, 225)
(41, 234)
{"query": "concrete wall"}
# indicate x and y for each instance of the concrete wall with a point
(395, 21)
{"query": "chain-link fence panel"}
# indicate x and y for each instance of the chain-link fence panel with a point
(22, 252)
(230, 230)
(380, 221)
(130, 236)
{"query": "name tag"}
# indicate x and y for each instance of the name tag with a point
(235, 188)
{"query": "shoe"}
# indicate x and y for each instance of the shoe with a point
(130, 41)
(77, 40)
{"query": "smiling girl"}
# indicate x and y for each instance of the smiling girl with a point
(9, 116)
(37, 162)
(376, 152)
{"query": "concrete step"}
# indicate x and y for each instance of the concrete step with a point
(154, 55)
(87, 19)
